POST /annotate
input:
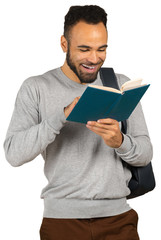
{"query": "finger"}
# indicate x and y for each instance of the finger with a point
(100, 125)
(72, 105)
(76, 100)
(69, 108)
(108, 121)
(97, 129)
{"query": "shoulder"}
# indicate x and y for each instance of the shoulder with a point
(44, 78)
(40, 82)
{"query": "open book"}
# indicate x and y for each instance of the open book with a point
(99, 102)
(126, 86)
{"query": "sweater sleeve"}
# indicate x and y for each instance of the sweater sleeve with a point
(136, 148)
(27, 137)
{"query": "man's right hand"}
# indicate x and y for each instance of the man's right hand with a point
(69, 108)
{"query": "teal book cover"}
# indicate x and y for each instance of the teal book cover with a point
(96, 104)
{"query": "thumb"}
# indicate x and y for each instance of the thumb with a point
(70, 107)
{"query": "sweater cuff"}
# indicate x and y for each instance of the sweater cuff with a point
(57, 120)
(125, 147)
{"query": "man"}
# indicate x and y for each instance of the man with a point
(88, 182)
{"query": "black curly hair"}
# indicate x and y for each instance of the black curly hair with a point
(91, 14)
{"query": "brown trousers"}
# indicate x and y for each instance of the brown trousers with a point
(120, 227)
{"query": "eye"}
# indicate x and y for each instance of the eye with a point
(102, 50)
(84, 50)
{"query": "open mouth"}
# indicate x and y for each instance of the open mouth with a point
(89, 68)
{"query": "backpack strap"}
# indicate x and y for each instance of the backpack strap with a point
(109, 79)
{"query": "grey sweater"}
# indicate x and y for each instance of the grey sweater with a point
(86, 178)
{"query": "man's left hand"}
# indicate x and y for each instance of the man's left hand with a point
(109, 130)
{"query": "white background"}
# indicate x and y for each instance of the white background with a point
(30, 45)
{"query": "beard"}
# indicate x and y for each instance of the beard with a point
(83, 77)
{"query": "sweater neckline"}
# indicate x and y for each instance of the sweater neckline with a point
(73, 83)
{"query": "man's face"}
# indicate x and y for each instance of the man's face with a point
(86, 50)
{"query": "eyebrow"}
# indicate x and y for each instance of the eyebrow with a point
(85, 46)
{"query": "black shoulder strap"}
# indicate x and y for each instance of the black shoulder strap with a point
(109, 79)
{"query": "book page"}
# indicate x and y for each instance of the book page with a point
(131, 84)
(105, 88)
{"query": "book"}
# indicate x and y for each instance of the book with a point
(99, 102)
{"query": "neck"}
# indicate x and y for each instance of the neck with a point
(69, 73)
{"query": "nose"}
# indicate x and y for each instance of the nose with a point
(93, 57)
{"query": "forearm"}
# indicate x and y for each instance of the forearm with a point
(23, 146)
(136, 151)
(136, 148)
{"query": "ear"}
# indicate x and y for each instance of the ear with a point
(64, 44)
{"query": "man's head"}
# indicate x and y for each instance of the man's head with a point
(85, 41)
(90, 14)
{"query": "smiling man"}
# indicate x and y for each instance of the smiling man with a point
(85, 165)
(86, 51)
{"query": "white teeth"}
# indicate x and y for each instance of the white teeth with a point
(86, 66)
